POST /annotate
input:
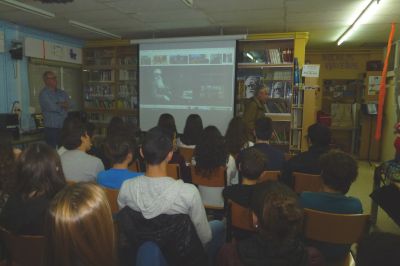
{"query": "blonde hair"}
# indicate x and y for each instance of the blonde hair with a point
(80, 229)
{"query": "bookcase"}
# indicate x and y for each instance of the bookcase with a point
(110, 84)
(268, 59)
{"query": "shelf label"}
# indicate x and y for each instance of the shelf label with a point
(310, 71)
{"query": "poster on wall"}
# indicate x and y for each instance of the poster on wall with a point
(373, 85)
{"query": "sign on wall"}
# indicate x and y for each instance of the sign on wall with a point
(52, 51)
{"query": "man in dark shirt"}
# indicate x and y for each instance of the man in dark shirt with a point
(308, 162)
(263, 132)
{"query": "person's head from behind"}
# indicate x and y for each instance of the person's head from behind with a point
(378, 248)
(119, 149)
(338, 171)
(69, 124)
(192, 130)
(277, 214)
(79, 228)
(77, 137)
(50, 79)
(319, 135)
(263, 129)
(210, 153)
(116, 126)
(261, 94)
(252, 163)
(157, 146)
(236, 135)
(167, 122)
(7, 159)
(38, 172)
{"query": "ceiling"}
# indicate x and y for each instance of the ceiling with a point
(325, 20)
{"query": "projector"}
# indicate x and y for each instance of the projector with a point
(54, 1)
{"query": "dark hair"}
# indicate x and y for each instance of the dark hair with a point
(116, 126)
(192, 130)
(156, 145)
(7, 161)
(338, 170)
(68, 126)
(252, 163)
(117, 147)
(210, 153)
(72, 139)
(167, 122)
(319, 135)
(236, 136)
(278, 211)
(38, 170)
(263, 128)
(378, 248)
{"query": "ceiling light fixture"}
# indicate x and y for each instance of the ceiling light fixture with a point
(28, 8)
(93, 29)
(364, 16)
(189, 3)
(191, 39)
(250, 56)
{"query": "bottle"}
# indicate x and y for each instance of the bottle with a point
(296, 78)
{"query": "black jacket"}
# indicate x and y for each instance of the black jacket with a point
(174, 234)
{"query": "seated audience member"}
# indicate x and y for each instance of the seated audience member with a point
(277, 218)
(378, 248)
(251, 167)
(38, 178)
(210, 154)
(120, 150)
(155, 193)
(191, 132)
(236, 139)
(263, 132)
(339, 171)
(68, 125)
(319, 137)
(79, 228)
(79, 166)
(8, 156)
(167, 122)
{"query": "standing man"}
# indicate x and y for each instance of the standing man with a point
(255, 109)
(54, 104)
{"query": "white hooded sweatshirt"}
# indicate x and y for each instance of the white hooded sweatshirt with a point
(153, 196)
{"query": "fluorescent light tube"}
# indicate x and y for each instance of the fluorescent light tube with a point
(191, 39)
(93, 29)
(28, 8)
(364, 16)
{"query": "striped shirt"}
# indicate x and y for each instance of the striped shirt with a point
(53, 114)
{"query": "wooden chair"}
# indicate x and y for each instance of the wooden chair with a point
(112, 195)
(22, 250)
(307, 182)
(335, 229)
(216, 179)
(173, 170)
(187, 153)
(241, 217)
(134, 166)
(268, 176)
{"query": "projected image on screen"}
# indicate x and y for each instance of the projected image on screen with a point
(198, 79)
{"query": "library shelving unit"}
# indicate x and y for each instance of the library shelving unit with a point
(110, 84)
(268, 59)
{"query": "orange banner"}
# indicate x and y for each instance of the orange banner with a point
(382, 87)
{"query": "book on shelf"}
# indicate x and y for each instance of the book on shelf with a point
(278, 56)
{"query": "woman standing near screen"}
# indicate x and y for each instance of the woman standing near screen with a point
(255, 109)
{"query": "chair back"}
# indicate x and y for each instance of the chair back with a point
(112, 196)
(307, 182)
(23, 250)
(70, 182)
(187, 153)
(149, 253)
(335, 228)
(134, 166)
(241, 217)
(216, 179)
(173, 170)
(268, 176)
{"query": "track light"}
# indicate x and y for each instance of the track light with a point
(365, 15)
(93, 29)
(28, 8)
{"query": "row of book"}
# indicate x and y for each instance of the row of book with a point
(98, 91)
(128, 60)
(106, 104)
(279, 56)
(277, 107)
(125, 74)
(126, 90)
(101, 75)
